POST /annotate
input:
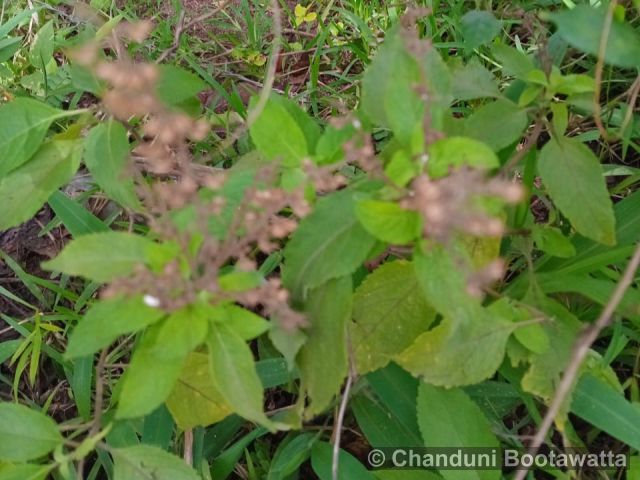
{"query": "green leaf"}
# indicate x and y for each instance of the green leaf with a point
(330, 145)
(24, 122)
(348, 467)
(582, 28)
(449, 418)
(479, 27)
(397, 391)
(233, 191)
(287, 342)
(307, 124)
(473, 81)
(274, 372)
(323, 359)
(8, 348)
(24, 472)
(108, 319)
(401, 169)
(277, 134)
(546, 368)
(328, 243)
(584, 200)
(106, 154)
(183, 331)
(389, 97)
(77, 219)
(290, 455)
(498, 124)
(234, 372)
(195, 399)
(225, 463)
(144, 462)
(451, 355)
(158, 428)
(150, 377)
(444, 283)
(379, 425)
(399, 474)
(590, 256)
(27, 433)
(8, 47)
(606, 409)
(388, 221)
(84, 79)
(244, 323)
(42, 47)
(101, 256)
(389, 312)
(176, 85)
(513, 61)
(28, 187)
(239, 281)
(551, 240)
(560, 118)
(81, 384)
(455, 152)
(534, 337)
(633, 470)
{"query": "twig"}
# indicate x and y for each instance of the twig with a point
(206, 15)
(301, 33)
(580, 352)
(530, 141)
(335, 461)
(633, 97)
(250, 81)
(181, 27)
(176, 35)
(604, 38)
(188, 446)
(99, 400)
(337, 427)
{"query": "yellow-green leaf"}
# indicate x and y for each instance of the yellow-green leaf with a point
(388, 221)
(195, 399)
(389, 312)
(455, 152)
(455, 355)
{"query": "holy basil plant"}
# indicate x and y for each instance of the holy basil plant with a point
(393, 246)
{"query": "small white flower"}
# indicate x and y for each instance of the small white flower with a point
(356, 123)
(151, 301)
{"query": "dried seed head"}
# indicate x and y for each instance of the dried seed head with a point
(449, 204)
(479, 280)
(135, 31)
